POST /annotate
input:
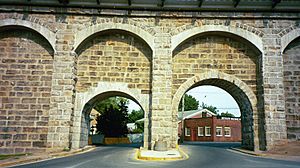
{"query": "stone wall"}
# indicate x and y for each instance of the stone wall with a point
(223, 54)
(291, 64)
(26, 67)
(138, 55)
(214, 52)
(114, 57)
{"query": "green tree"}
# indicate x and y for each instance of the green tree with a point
(227, 114)
(113, 116)
(135, 115)
(112, 121)
(112, 101)
(190, 103)
(139, 128)
(210, 108)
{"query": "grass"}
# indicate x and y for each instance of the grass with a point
(16, 156)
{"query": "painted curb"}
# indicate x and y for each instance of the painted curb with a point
(183, 156)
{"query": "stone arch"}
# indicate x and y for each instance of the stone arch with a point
(82, 35)
(84, 102)
(233, 86)
(254, 39)
(107, 87)
(26, 63)
(44, 32)
(291, 75)
(212, 74)
(286, 39)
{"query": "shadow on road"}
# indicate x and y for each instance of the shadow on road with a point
(215, 144)
(133, 145)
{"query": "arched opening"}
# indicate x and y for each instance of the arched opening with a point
(217, 117)
(26, 66)
(107, 115)
(225, 54)
(291, 72)
(112, 61)
(244, 104)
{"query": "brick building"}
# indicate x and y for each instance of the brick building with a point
(204, 125)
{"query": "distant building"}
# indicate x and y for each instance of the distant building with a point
(203, 125)
(93, 121)
(131, 126)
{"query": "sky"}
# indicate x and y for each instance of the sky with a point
(209, 95)
(217, 97)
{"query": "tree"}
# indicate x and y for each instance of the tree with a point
(113, 118)
(190, 103)
(135, 115)
(112, 121)
(112, 101)
(227, 114)
(210, 108)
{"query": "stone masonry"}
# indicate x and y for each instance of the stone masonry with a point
(224, 55)
(55, 65)
(26, 80)
(291, 69)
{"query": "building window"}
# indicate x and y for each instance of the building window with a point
(200, 131)
(187, 131)
(227, 131)
(207, 131)
(218, 131)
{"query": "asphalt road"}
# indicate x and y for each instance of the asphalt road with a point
(201, 155)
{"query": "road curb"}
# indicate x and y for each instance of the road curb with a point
(47, 157)
(264, 155)
(21, 161)
(248, 152)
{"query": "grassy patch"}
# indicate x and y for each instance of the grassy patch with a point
(17, 155)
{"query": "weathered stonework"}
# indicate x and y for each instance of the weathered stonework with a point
(53, 72)
(25, 91)
(214, 52)
(291, 65)
(244, 95)
(114, 58)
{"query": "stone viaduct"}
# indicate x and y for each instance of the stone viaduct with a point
(55, 62)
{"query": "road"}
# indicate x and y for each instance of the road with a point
(204, 155)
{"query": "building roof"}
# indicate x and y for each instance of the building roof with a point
(173, 5)
(140, 120)
(192, 113)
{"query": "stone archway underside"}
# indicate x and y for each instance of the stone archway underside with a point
(84, 114)
(243, 95)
